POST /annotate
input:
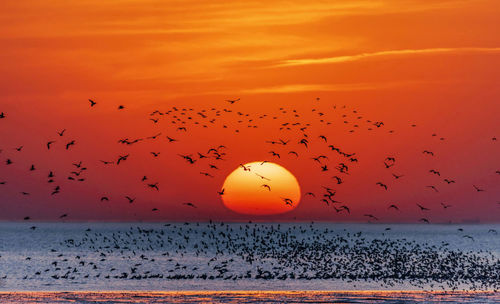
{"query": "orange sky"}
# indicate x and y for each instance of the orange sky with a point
(432, 63)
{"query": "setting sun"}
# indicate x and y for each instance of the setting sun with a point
(261, 188)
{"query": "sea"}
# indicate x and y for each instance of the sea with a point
(214, 262)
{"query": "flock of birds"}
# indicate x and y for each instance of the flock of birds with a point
(335, 159)
(233, 252)
(262, 252)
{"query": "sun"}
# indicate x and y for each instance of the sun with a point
(261, 188)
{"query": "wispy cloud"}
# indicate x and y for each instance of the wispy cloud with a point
(294, 88)
(357, 57)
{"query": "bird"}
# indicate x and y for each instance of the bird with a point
(130, 200)
(387, 166)
(435, 172)
(477, 188)
(104, 198)
(428, 152)
(92, 103)
(262, 177)
(221, 192)
(397, 176)
(266, 186)
(63, 216)
(338, 179)
(232, 101)
(371, 216)
(394, 207)
(61, 133)
(121, 107)
(424, 220)
(2, 115)
(188, 158)
(206, 174)
(56, 190)
(287, 201)
(382, 185)
(433, 188)
(274, 154)
(122, 158)
(190, 205)
(50, 143)
(343, 207)
(69, 144)
(154, 186)
(449, 181)
(445, 206)
(422, 208)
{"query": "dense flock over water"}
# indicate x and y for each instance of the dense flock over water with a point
(248, 256)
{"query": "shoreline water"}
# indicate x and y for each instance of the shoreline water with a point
(296, 296)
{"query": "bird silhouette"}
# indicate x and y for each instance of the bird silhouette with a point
(422, 208)
(477, 188)
(69, 144)
(393, 207)
(266, 186)
(371, 216)
(122, 158)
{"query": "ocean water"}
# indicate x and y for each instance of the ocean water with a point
(369, 260)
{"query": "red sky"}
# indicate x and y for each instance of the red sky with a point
(401, 62)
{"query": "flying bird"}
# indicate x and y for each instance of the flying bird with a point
(422, 208)
(371, 216)
(477, 188)
(393, 207)
(122, 158)
(267, 186)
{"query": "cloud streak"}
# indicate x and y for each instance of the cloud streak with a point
(294, 88)
(390, 53)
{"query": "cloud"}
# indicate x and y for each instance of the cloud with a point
(357, 57)
(293, 88)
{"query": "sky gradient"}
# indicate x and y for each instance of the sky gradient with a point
(434, 65)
